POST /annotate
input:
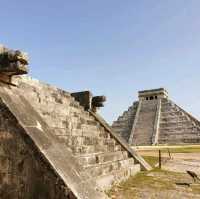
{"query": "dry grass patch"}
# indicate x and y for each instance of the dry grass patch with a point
(152, 160)
(156, 184)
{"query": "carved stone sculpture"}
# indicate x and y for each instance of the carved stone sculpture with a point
(13, 62)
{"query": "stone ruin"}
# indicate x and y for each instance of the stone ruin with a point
(53, 144)
(12, 62)
(155, 119)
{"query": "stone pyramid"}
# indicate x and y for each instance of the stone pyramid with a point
(155, 119)
(53, 144)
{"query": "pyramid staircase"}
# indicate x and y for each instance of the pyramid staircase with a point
(157, 120)
(144, 127)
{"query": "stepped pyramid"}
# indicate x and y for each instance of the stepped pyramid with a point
(53, 144)
(155, 119)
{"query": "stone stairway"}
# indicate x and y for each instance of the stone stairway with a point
(124, 123)
(90, 143)
(176, 125)
(158, 120)
(144, 128)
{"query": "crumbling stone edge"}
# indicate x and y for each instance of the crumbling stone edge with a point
(80, 190)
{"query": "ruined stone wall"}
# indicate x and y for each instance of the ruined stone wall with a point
(24, 173)
(50, 142)
(91, 144)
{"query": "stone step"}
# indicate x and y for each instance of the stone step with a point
(107, 167)
(105, 182)
(171, 113)
(77, 150)
(179, 128)
(101, 157)
(50, 97)
(164, 109)
(92, 149)
(79, 140)
(168, 105)
(72, 123)
(112, 156)
(142, 137)
(149, 121)
(62, 111)
(174, 119)
(126, 114)
(125, 118)
(147, 111)
(149, 102)
(139, 142)
(119, 124)
(124, 123)
(146, 116)
(178, 133)
(142, 143)
(183, 124)
(142, 130)
(122, 129)
(104, 134)
(179, 141)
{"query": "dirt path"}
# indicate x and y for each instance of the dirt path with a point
(180, 162)
(181, 165)
(184, 156)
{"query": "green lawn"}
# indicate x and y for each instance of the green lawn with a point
(157, 182)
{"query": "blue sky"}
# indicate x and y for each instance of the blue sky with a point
(110, 47)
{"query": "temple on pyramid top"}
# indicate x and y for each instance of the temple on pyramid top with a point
(155, 119)
(153, 94)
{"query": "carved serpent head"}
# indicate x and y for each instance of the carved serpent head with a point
(13, 62)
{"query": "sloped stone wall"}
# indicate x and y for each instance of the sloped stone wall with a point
(177, 126)
(123, 125)
(24, 173)
(88, 140)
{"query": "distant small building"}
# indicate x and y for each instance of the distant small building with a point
(155, 119)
